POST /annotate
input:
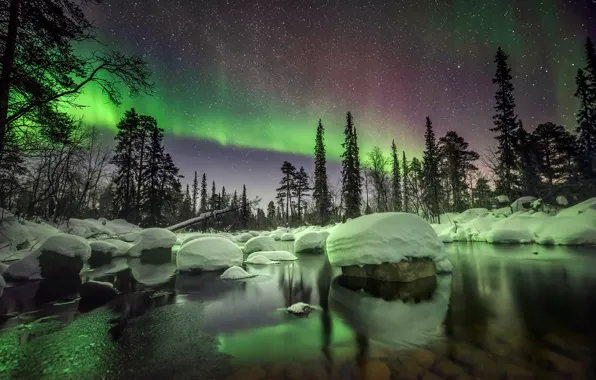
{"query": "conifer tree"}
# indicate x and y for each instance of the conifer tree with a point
(151, 197)
(245, 209)
(185, 206)
(506, 125)
(204, 201)
(195, 193)
(287, 188)
(321, 195)
(416, 184)
(271, 214)
(351, 179)
(301, 189)
(482, 194)
(224, 201)
(431, 174)
(457, 162)
(396, 193)
(213, 198)
(407, 189)
(527, 162)
(125, 163)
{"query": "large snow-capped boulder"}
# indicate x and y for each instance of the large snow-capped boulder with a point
(388, 238)
(197, 235)
(265, 233)
(254, 233)
(260, 260)
(288, 236)
(208, 254)
(277, 234)
(273, 255)
(259, 243)
(102, 252)
(153, 245)
(395, 323)
(523, 204)
(121, 246)
(243, 238)
(309, 241)
(235, 273)
(60, 256)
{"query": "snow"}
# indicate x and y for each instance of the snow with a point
(518, 205)
(325, 234)
(265, 233)
(383, 238)
(152, 238)
(64, 244)
(89, 227)
(393, 324)
(122, 246)
(254, 233)
(502, 198)
(562, 200)
(300, 308)
(227, 235)
(236, 273)
(104, 247)
(575, 225)
(12, 233)
(273, 255)
(259, 243)
(288, 236)
(260, 260)
(198, 235)
(211, 253)
(309, 241)
(277, 234)
(243, 238)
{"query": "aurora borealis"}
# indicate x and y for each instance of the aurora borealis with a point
(240, 85)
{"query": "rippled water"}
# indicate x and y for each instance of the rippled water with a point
(506, 312)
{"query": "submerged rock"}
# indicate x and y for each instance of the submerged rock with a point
(95, 294)
(403, 271)
(102, 253)
(236, 273)
(300, 308)
(153, 245)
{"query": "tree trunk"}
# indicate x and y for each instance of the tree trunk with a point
(8, 57)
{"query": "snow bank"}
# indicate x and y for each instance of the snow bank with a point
(260, 260)
(393, 324)
(572, 226)
(288, 236)
(243, 238)
(152, 238)
(235, 273)
(259, 243)
(309, 241)
(383, 238)
(211, 253)
(274, 255)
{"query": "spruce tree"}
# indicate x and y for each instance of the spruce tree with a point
(527, 162)
(351, 179)
(506, 125)
(213, 198)
(224, 201)
(300, 191)
(320, 195)
(406, 188)
(204, 201)
(271, 214)
(124, 161)
(185, 206)
(431, 174)
(287, 188)
(195, 193)
(151, 195)
(245, 210)
(396, 194)
(482, 194)
(457, 162)
(416, 183)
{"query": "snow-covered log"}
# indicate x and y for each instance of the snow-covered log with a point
(208, 215)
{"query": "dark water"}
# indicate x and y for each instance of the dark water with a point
(506, 312)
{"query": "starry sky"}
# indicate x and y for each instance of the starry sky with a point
(240, 85)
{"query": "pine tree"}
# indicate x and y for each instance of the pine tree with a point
(321, 195)
(124, 161)
(204, 205)
(287, 187)
(301, 189)
(416, 183)
(457, 163)
(151, 197)
(185, 206)
(271, 214)
(224, 201)
(351, 179)
(406, 188)
(245, 210)
(171, 188)
(396, 194)
(195, 193)
(213, 198)
(145, 129)
(379, 174)
(506, 125)
(482, 194)
(527, 163)
(431, 174)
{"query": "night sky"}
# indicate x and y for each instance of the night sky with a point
(240, 85)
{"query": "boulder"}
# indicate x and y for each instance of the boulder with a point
(153, 245)
(259, 243)
(311, 241)
(102, 253)
(95, 294)
(209, 254)
(404, 271)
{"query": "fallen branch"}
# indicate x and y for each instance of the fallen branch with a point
(207, 215)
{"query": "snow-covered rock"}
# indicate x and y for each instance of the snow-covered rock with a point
(325, 234)
(12, 233)
(59, 256)
(102, 252)
(523, 204)
(384, 238)
(393, 324)
(254, 233)
(96, 293)
(197, 235)
(273, 255)
(227, 235)
(265, 233)
(121, 246)
(562, 200)
(235, 273)
(277, 234)
(211, 253)
(309, 241)
(260, 260)
(502, 198)
(259, 243)
(288, 236)
(153, 244)
(300, 308)
(243, 238)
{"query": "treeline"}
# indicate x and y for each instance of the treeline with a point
(549, 162)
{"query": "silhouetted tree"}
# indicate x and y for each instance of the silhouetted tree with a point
(482, 194)
(396, 194)
(271, 214)
(431, 174)
(407, 189)
(379, 174)
(351, 179)
(320, 195)
(204, 201)
(300, 191)
(195, 193)
(287, 187)
(213, 198)
(245, 210)
(527, 161)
